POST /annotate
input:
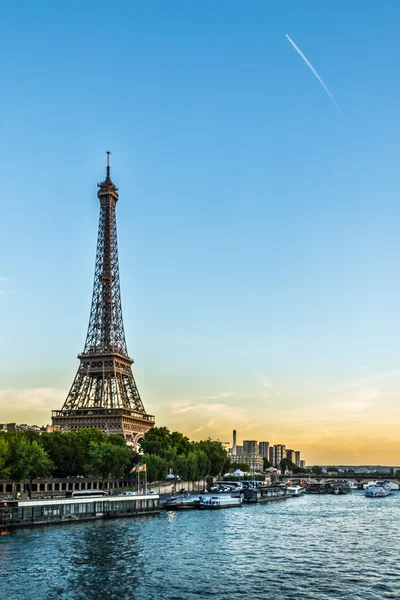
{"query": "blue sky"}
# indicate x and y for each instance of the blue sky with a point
(258, 226)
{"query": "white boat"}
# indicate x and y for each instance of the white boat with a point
(377, 489)
(353, 485)
(295, 490)
(213, 502)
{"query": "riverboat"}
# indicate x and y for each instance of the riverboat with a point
(183, 502)
(295, 491)
(223, 501)
(378, 489)
(318, 488)
(264, 494)
(340, 487)
(17, 513)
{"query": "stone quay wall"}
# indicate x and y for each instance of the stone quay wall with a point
(54, 487)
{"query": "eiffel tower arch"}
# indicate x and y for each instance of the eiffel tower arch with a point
(104, 393)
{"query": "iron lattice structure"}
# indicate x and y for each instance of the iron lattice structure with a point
(104, 392)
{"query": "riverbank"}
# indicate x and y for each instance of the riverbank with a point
(55, 487)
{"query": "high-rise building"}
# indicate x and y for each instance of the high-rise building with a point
(263, 449)
(279, 453)
(271, 455)
(302, 464)
(234, 443)
(250, 447)
(297, 458)
(290, 455)
(250, 455)
(104, 392)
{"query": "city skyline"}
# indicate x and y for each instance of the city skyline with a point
(258, 233)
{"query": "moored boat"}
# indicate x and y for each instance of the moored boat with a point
(340, 487)
(378, 489)
(223, 501)
(295, 490)
(183, 503)
(264, 494)
(317, 488)
(17, 513)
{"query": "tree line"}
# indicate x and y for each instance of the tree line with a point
(165, 452)
(90, 453)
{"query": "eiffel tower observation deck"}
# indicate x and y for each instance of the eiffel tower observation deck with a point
(104, 392)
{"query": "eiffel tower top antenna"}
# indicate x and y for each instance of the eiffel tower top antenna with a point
(108, 164)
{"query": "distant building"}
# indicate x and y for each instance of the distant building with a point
(250, 447)
(297, 458)
(263, 449)
(302, 464)
(290, 455)
(239, 451)
(271, 455)
(10, 427)
(13, 427)
(234, 443)
(250, 455)
(279, 453)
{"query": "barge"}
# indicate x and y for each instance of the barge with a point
(17, 513)
(264, 494)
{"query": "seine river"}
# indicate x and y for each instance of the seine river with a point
(310, 547)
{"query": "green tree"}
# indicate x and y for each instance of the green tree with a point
(219, 460)
(158, 441)
(157, 467)
(41, 465)
(108, 460)
(240, 465)
(27, 459)
(266, 464)
(4, 458)
(332, 469)
(316, 470)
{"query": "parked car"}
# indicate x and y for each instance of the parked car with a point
(183, 491)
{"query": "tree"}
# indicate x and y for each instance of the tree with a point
(4, 458)
(157, 467)
(266, 464)
(316, 470)
(108, 460)
(41, 465)
(332, 469)
(27, 459)
(219, 461)
(287, 465)
(242, 466)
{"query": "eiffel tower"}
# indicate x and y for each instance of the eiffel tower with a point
(104, 392)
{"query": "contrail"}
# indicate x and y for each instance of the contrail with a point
(313, 70)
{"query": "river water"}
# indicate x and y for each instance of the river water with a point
(312, 547)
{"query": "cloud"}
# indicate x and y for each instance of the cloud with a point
(384, 375)
(208, 425)
(207, 408)
(219, 396)
(39, 400)
(5, 279)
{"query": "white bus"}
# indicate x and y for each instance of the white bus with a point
(85, 493)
